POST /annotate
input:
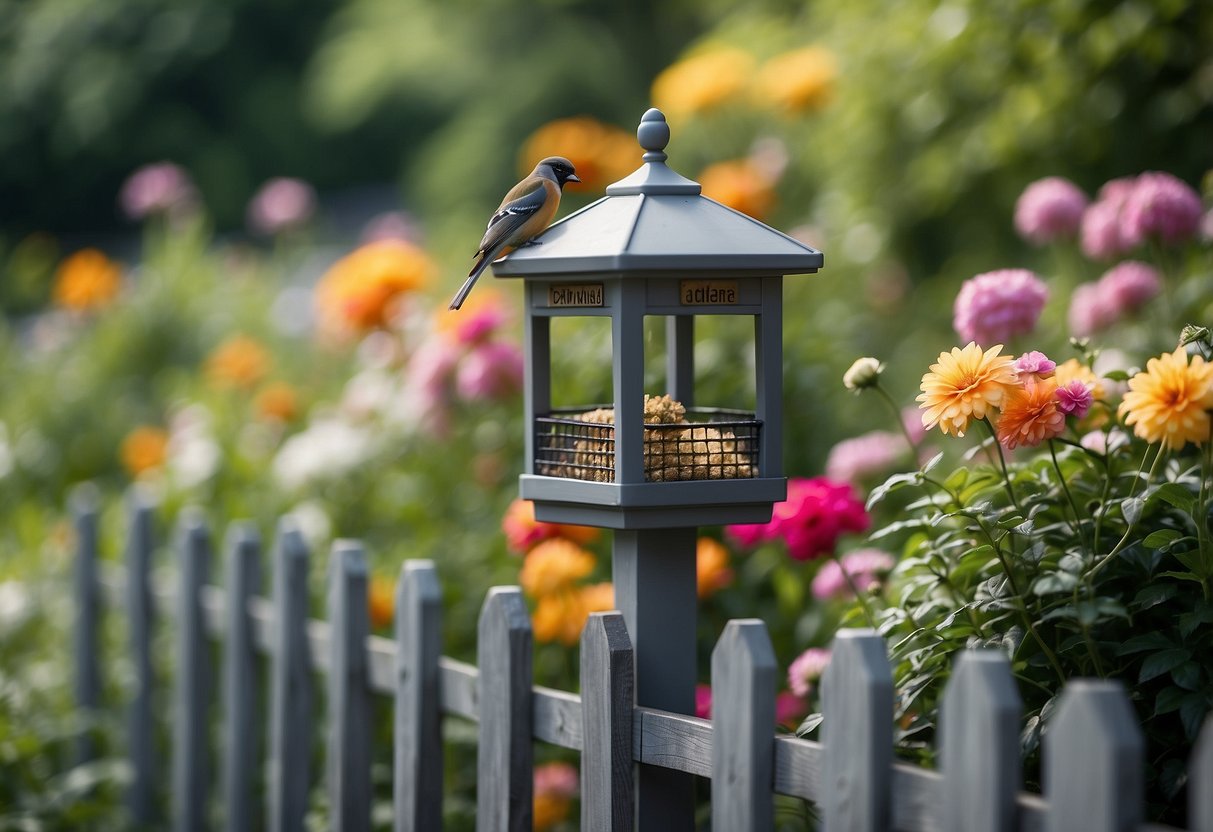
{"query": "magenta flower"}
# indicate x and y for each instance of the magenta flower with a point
(806, 669)
(479, 323)
(160, 188)
(490, 371)
(1035, 363)
(282, 204)
(1101, 238)
(867, 567)
(1049, 209)
(703, 701)
(861, 456)
(1089, 310)
(1129, 285)
(1074, 399)
(994, 306)
(816, 513)
(789, 709)
(1163, 207)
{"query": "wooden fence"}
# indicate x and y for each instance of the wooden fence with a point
(1093, 748)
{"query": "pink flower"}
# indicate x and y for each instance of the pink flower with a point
(1117, 190)
(1035, 363)
(160, 188)
(480, 322)
(1160, 206)
(391, 225)
(1089, 310)
(1101, 239)
(994, 306)
(557, 780)
(816, 513)
(789, 709)
(703, 701)
(911, 418)
(1129, 285)
(1074, 399)
(871, 453)
(807, 669)
(281, 204)
(490, 371)
(1049, 209)
(865, 566)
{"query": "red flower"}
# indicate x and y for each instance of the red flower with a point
(816, 513)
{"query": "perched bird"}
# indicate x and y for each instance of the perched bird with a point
(526, 210)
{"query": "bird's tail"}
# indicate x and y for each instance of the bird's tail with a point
(473, 276)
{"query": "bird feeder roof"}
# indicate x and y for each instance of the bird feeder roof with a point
(656, 222)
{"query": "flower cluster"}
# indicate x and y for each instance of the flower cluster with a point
(816, 514)
(995, 306)
(1118, 294)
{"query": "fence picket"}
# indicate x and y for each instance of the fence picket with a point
(607, 693)
(240, 676)
(349, 699)
(743, 728)
(418, 720)
(979, 727)
(86, 640)
(1093, 760)
(857, 700)
(291, 716)
(192, 695)
(504, 760)
(1200, 781)
(141, 798)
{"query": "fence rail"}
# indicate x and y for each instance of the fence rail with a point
(1093, 750)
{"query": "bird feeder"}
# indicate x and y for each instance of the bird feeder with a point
(654, 467)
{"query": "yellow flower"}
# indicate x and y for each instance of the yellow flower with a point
(741, 185)
(144, 449)
(360, 291)
(965, 384)
(1030, 415)
(87, 280)
(554, 565)
(1073, 370)
(381, 601)
(799, 80)
(1170, 401)
(702, 81)
(278, 402)
(712, 571)
(597, 598)
(238, 362)
(601, 153)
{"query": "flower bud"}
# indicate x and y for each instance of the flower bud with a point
(864, 373)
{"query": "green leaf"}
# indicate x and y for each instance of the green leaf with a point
(1160, 538)
(1131, 509)
(1177, 495)
(1182, 576)
(810, 724)
(893, 483)
(931, 463)
(1052, 582)
(1116, 375)
(1192, 713)
(1187, 676)
(1159, 663)
(1168, 700)
(1145, 641)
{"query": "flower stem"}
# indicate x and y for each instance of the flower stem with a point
(1120, 544)
(859, 596)
(1069, 497)
(1002, 461)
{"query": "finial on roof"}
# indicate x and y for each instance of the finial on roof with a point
(653, 177)
(653, 135)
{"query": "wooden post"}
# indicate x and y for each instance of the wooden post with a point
(680, 358)
(979, 726)
(654, 574)
(291, 717)
(86, 641)
(743, 728)
(1093, 760)
(1200, 781)
(349, 699)
(417, 773)
(141, 798)
(857, 701)
(190, 764)
(240, 679)
(504, 771)
(607, 691)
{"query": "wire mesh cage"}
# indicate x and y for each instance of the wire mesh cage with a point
(704, 444)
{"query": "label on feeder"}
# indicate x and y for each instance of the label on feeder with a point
(574, 294)
(707, 292)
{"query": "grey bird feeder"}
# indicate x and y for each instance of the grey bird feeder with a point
(655, 246)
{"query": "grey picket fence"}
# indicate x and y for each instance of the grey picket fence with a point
(1093, 748)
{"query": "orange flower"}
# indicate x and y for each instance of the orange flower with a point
(702, 81)
(601, 153)
(741, 185)
(559, 617)
(555, 784)
(144, 449)
(361, 290)
(799, 80)
(1170, 401)
(522, 530)
(1073, 370)
(554, 565)
(1030, 415)
(381, 601)
(87, 280)
(238, 362)
(549, 810)
(278, 402)
(597, 598)
(965, 384)
(712, 571)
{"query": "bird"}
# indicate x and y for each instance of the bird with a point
(525, 211)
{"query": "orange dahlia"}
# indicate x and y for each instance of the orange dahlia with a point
(1030, 415)
(741, 185)
(703, 81)
(554, 565)
(239, 362)
(1170, 401)
(712, 571)
(361, 290)
(144, 449)
(87, 280)
(965, 384)
(798, 81)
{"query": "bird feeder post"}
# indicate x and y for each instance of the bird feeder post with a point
(654, 246)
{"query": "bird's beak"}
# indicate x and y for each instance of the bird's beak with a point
(572, 178)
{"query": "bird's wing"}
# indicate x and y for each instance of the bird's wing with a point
(511, 216)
